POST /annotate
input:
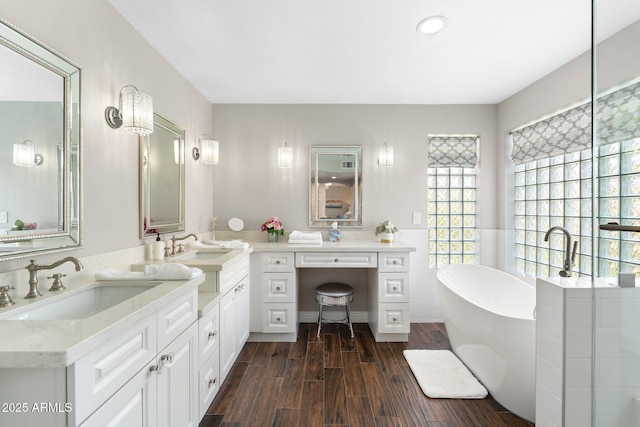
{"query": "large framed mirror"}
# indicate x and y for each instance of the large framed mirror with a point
(335, 182)
(162, 179)
(40, 160)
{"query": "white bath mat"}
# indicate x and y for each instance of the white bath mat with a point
(442, 375)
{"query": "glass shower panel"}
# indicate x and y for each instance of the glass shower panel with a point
(615, 378)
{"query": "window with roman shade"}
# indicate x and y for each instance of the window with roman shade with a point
(452, 162)
(553, 185)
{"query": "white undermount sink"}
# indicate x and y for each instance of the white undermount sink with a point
(203, 255)
(85, 303)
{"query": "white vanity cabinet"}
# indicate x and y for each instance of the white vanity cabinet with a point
(145, 374)
(209, 357)
(388, 293)
(276, 271)
(234, 324)
(164, 392)
(275, 293)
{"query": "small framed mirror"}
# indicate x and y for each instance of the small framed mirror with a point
(162, 179)
(335, 186)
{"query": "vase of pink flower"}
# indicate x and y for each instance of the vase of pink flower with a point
(273, 227)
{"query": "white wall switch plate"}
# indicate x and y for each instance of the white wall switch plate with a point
(4, 217)
(417, 218)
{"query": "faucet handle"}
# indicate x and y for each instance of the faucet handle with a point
(57, 283)
(180, 248)
(5, 299)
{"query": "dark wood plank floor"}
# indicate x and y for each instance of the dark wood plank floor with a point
(335, 380)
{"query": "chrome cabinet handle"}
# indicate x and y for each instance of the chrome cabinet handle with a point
(213, 382)
(164, 359)
(212, 335)
(277, 262)
(336, 260)
(395, 262)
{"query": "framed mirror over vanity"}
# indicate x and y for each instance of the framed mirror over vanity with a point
(40, 164)
(162, 179)
(335, 186)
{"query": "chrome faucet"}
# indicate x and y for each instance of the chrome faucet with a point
(175, 239)
(33, 273)
(570, 255)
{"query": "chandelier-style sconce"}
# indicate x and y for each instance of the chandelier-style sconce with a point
(385, 156)
(208, 149)
(285, 157)
(134, 112)
(25, 154)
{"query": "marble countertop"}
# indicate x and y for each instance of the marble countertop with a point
(215, 264)
(59, 343)
(342, 246)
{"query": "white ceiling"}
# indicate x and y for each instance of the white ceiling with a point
(368, 51)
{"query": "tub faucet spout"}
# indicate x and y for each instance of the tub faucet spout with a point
(570, 255)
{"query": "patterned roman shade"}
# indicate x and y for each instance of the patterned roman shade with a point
(617, 119)
(618, 115)
(453, 151)
(562, 133)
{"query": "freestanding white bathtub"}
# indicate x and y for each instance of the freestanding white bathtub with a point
(490, 320)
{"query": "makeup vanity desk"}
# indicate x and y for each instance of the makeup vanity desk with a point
(275, 281)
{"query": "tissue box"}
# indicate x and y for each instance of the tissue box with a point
(334, 235)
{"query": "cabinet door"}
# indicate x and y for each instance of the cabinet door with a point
(178, 381)
(227, 333)
(243, 309)
(134, 405)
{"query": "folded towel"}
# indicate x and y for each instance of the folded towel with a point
(226, 244)
(166, 271)
(111, 274)
(176, 271)
(205, 245)
(309, 237)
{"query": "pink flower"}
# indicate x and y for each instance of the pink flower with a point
(273, 225)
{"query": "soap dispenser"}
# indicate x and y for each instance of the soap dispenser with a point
(158, 249)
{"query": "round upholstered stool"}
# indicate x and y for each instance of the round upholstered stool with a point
(334, 294)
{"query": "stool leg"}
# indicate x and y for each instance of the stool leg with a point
(349, 319)
(319, 320)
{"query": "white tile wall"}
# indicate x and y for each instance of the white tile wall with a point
(564, 356)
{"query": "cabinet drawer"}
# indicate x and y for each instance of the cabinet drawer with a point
(393, 262)
(279, 287)
(279, 317)
(209, 382)
(275, 262)
(393, 287)
(102, 372)
(209, 333)
(337, 259)
(393, 318)
(243, 266)
(228, 279)
(176, 317)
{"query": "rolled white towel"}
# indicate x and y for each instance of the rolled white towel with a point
(302, 237)
(176, 271)
(112, 274)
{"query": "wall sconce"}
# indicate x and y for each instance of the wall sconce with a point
(208, 149)
(134, 112)
(25, 154)
(385, 156)
(285, 157)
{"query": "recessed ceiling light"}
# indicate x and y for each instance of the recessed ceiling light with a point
(431, 25)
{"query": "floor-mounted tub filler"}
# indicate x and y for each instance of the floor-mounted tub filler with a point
(490, 320)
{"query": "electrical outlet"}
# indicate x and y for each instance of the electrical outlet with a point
(4, 217)
(417, 218)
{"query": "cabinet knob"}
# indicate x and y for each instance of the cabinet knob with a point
(395, 262)
(278, 288)
(336, 260)
(395, 319)
(395, 288)
(212, 335)
(213, 382)
(278, 262)
(164, 359)
(277, 319)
